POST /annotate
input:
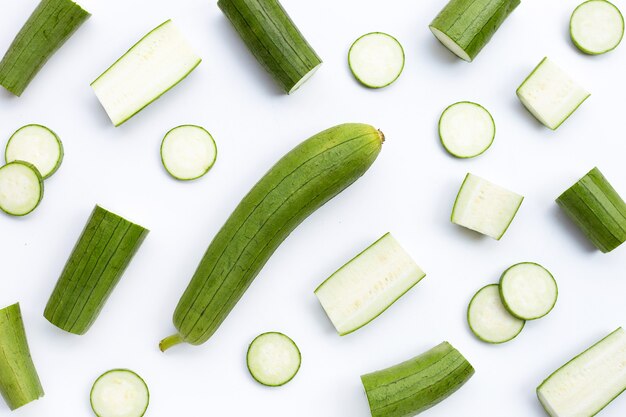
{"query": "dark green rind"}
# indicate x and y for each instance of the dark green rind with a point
(273, 39)
(287, 380)
(598, 210)
(472, 23)
(102, 253)
(45, 31)
(301, 182)
(418, 384)
(19, 382)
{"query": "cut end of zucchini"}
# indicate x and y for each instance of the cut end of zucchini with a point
(304, 78)
(466, 129)
(120, 393)
(596, 27)
(273, 359)
(488, 318)
(188, 152)
(21, 188)
(376, 59)
(528, 291)
(37, 145)
(450, 44)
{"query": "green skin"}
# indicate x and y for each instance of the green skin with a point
(301, 182)
(472, 23)
(503, 297)
(61, 151)
(582, 48)
(598, 210)
(19, 382)
(418, 384)
(256, 339)
(118, 370)
(104, 250)
(45, 31)
(272, 37)
(36, 171)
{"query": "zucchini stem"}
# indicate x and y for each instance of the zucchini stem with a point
(170, 341)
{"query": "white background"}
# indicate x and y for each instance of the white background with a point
(409, 191)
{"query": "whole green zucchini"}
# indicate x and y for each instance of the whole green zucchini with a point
(302, 181)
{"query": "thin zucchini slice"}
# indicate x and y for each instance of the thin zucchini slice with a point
(528, 291)
(376, 59)
(154, 65)
(273, 359)
(119, 393)
(37, 145)
(489, 320)
(466, 129)
(368, 285)
(21, 188)
(188, 152)
(596, 27)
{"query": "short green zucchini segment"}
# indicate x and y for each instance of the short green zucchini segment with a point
(485, 207)
(154, 65)
(376, 59)
(37, 145)
(466, 129)
(273, 359)
(188, 152)
(19, 382)
(368, 284)
(596, 27)
(418, 384)
(528, 291)
(119, 393)
(550, 94)
(589, 382)
(598, 210)
(45, 31)
(466, 26)
(102, 253)
(21, 188)
(489, 320)
(273, 38)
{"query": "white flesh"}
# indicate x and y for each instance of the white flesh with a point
(273, 359)
(550, 94)
(589, 382)
(528, 291)
(21, 188)
(466, 129)
(155, 64)
(488, 318)
(450, 44)
(37, 145)
(188, 152)
(119, 393)
(596, 27)
(367, 285)
(485, 207)
(376, 59)
(305, 78)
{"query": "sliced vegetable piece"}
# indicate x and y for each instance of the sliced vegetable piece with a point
(273, 359)
(21, 188)
(188, 152)
(598, 210)
(273, 38)
(466, 129)
(104, 250)
(45, 31)
(528, 290)
(466, 26)
(485, 207)
(589, 382)
(368, 284)
(418, 384)
(596, 27)
(37, 145)
(550, 94)
(154, 65)
(119, 393)
(376, 59)
(488, 318)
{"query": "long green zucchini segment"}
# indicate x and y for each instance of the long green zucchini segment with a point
(489, 320)
(598, 210)
(302, 181)
(418, 384)
(273, 38)
(376, 59)
(589, 382)
(466, 26)
(550, 94)
(528, 291)
(466, 129)
(596, 27)
(119, 393)
(19, 382)
(485, 207)
(102, 253)
(21, 188)
(45, 31)
(37, 145)
(368, 284)
(154, 65)
(273, 359)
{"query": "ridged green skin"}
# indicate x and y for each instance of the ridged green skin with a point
(301, 182)
(19, 382)
(102, 253)
(272, 37)
(407, 389)
(45, 31)
(594, 205)
(472, 23)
